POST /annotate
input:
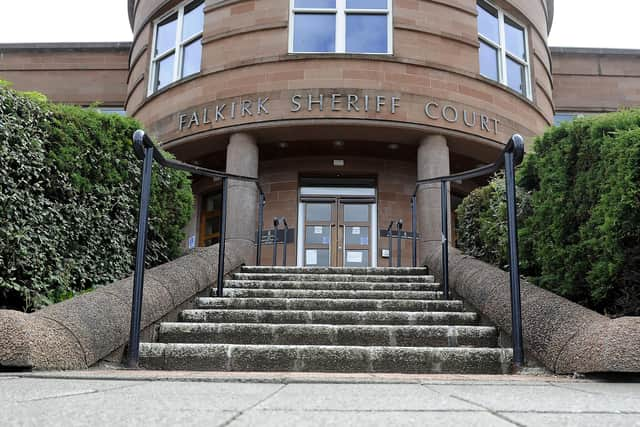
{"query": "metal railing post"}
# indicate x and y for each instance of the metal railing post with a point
(141, 245)
(276, 223)
(284, 241)
(390, 236)
(261, 204)
(223, 238)
(510, 161)
(399, 226)
(445, 237)
(414, 238)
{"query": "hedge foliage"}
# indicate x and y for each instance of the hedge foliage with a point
(579, 213)
(69, 195)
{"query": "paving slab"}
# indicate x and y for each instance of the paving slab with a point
(124, 398)
(546, 398)
(574, 420)
(367, 419)
(363, 397)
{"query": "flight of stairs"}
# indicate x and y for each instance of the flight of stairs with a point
(329, 320)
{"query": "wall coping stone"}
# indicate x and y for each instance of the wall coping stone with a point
(78, 333)
(565, 336)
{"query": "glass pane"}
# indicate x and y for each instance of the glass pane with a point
(166, 34)
(366, 4)
(164, 71)
(367, 33)
(316, 4)
(213, 202)
(356, 259)
(515, 76)
(356, 213)
(316, 257)
(515, 39)
(488, 61)
(318, 212)
(488, 23)
(357, 236)
(192, 58)
(314, 32)
(212, 225)
(318, 235)
(193, 20)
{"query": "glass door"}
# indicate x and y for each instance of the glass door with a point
(319, 242)
(355, 225)
(337, 232)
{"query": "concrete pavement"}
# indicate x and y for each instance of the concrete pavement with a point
(115, 398)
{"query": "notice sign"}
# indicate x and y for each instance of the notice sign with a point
(317, 230)
(354, 257)
(312, 257)
(355, 231)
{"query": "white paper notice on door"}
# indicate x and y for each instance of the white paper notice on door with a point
(317, 230)
(312, 257)
(354, 257)
(355, 231)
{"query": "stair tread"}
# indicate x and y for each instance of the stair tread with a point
(331, 294)
(318, 358)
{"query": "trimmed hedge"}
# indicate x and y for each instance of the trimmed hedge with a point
(69, 195)
(580, 237)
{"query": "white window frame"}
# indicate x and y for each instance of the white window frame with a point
(341, 13)
(503, 53)
(177, 48)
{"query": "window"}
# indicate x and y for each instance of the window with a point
(177, 45)
(340, 26)
(504, 53)
(562, 117)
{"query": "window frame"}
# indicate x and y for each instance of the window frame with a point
(177, 48)
(503, 53)
(341, 12)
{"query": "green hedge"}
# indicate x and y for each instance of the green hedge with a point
(69, 194)
(580, 226)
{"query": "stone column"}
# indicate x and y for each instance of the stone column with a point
(433, 161)
(242, 198)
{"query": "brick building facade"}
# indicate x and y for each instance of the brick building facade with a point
(338, 106)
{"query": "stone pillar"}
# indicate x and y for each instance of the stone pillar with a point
(433, 161)
(242, 198)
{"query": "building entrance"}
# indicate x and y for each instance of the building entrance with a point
(338, 227)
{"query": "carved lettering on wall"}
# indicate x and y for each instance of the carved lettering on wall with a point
(335, 102)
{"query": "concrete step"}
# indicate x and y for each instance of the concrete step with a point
(233, 357)
(331, 294)
(376, 278)
(335, 335)
(330, 317)
(365, 286)
(329, 304)
(389, 271)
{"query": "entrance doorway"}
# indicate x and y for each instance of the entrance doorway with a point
(339, 227)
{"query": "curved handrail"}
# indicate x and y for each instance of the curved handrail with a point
(148, 152)
(515, 146)
(510, 157)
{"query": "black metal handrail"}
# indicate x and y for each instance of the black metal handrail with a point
(509, 158)
(147, 151)
(390, 236)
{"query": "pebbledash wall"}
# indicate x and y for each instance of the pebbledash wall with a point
(338, 106)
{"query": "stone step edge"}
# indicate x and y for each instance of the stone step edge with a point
(397, 271)
(333, 294)
(326, 317)
(330, 277)
(242, 357)
(329, 334)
